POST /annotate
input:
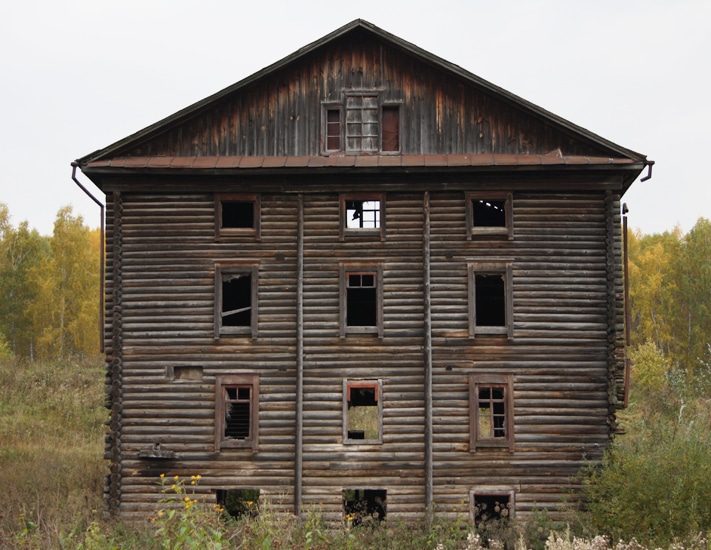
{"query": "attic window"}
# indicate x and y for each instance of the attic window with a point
(237, 215)
(489, 214)
(362, 124)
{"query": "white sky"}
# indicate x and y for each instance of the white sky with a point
(78, 75)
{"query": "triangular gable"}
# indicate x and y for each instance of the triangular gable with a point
(277, 112)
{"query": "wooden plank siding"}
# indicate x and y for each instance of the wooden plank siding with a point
(161, 256)
(440, 114)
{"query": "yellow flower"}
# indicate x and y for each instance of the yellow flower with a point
(162, 476)
(176, 478)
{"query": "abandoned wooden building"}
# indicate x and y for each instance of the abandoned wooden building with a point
(362, 278)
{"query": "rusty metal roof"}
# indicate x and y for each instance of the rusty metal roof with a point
(349, 161)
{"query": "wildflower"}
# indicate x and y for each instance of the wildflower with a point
(162, 476)
(176, 478)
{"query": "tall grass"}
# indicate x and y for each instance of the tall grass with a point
(51, 446)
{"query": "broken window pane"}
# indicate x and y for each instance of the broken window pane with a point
(238, 214)
(488, 213)
(361, 214)
(237, 300)
(490, 300)
(361, 300)
(492, 412)
(363, 413)
(238, 412)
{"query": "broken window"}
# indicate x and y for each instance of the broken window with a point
(237, 215)
(237, 410)
(489, 214)
(490, 508)
(361, 125)
(362, 411)
(364, 506)
(491, 411)
(490, 299)
(363, 215)
(361, 300)
(239, 503)
(236, 299)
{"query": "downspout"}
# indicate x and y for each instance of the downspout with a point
(429, 498)
(101, 254)
(627, 299)
(299, 444)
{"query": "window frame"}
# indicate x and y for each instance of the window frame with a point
(487, 268)
(325, 108)
(371, 232)
(254, 232)
(476, 382)
(229, 268)
(361, 268)
(222, 383)
(362, 383)
(482, 231)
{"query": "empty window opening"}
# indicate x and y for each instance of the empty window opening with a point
(239, 502)
(364, 506)
(361, 299)
(237, 300)
(488, 509)
(238, 214)
(238, 412)
(333, 129)
(187, 372)
(391, 128)
(362, 412)
(488, 213)
(491, 414)
(362, 128)
(362, 214)
(490, 300)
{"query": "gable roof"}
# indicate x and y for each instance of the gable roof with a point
(106, 158)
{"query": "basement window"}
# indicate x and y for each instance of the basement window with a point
(491, 411)
(236, 299)
(490, 507)
(489, 214)
(362, 411)
(361, 300)
(364, 506)
(237, 215)
(237, 411)
(239, 503)
(362, 215)
(490, 299)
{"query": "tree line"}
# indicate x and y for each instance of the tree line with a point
(49, 292)
(49, 288)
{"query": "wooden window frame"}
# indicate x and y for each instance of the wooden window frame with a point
(377, 384)
(344, 271)
(478, 231)
(482, 268)
(476, 440)
(325, 108)
(222, 383)
(372, 232)
(492, 491)
(254, 232)
(222, 269)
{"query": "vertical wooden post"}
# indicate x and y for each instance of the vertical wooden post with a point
(298, 454)
(429, 504)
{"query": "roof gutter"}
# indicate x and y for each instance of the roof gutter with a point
(75, 165)
(648, 164)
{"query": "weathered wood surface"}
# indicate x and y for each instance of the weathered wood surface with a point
(559, 356)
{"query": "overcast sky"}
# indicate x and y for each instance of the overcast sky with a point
(78, 75)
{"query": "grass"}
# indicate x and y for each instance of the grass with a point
(52, 470)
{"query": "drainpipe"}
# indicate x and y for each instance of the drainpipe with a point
(101, 254)
(299, 442)
(627, 298)
(429, 470)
